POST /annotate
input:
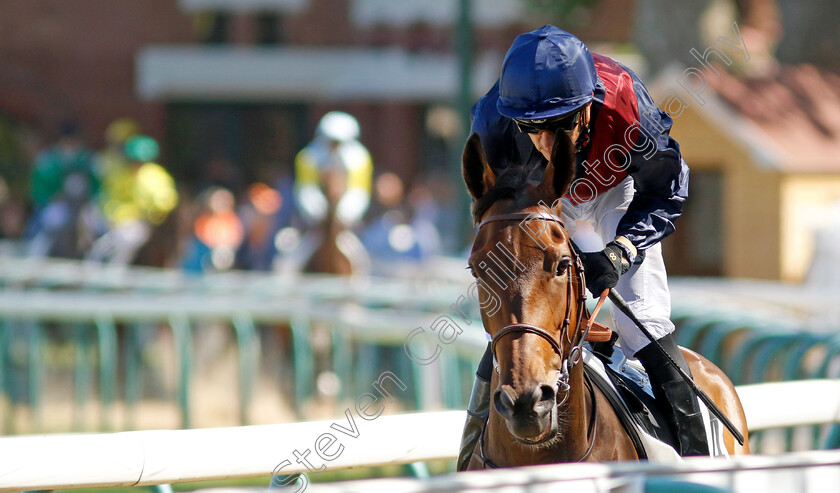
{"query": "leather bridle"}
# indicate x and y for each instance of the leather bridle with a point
(576, 352)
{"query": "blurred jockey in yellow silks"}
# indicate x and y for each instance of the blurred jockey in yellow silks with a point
(112, 157)
(135, 198)
(335, 147)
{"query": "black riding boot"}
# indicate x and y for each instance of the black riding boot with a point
(675, 396)
(477, 410)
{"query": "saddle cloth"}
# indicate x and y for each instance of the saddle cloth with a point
(627, 388)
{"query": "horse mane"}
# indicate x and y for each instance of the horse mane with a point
(510, 182)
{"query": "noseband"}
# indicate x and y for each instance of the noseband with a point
(575, 354)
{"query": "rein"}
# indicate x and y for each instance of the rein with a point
(575, 354)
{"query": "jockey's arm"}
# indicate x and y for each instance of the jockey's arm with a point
(660, 178)
(355, 201)
(309, 198)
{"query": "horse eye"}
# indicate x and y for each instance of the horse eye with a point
(472, 270)
(564, 264)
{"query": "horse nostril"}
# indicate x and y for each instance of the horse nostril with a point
(503, 402)
(542, 400)
(548, 393)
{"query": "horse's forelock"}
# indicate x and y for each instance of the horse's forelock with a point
(509, 184)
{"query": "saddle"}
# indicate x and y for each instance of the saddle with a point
(626, 386)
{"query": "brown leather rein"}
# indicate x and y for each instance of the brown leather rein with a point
(576, 352)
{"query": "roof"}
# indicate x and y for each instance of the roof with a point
(797, 109)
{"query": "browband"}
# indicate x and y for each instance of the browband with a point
(525, 216)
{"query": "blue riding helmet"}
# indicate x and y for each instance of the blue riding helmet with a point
(546, 73)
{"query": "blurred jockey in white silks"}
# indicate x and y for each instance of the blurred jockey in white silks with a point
(335, 149)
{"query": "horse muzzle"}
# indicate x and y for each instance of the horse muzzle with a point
(529, 416)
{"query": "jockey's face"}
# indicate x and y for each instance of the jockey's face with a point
(545, 138)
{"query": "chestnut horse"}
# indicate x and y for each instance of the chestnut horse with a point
(328, 257)
(543, 409)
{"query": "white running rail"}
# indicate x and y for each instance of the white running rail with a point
(160, 457)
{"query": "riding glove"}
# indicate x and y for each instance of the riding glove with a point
(602, 269)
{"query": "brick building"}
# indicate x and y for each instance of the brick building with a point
(233, 88)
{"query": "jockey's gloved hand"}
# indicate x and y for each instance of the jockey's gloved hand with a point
(602, 269)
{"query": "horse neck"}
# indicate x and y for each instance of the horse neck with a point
(332, 225)
(327, 257)
(572, 427)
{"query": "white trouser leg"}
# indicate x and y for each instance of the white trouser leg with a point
(119, 245)
(645, 289)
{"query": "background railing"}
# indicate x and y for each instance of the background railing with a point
(107, 317)
(102, 329)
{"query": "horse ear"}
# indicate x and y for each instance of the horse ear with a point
(478, 176)
(561, 169)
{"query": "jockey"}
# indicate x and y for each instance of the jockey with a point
(630, 185)
(138, 195)
(335, 147)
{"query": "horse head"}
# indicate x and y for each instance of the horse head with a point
(523, 255)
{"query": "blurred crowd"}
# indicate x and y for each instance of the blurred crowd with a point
(120, 205)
